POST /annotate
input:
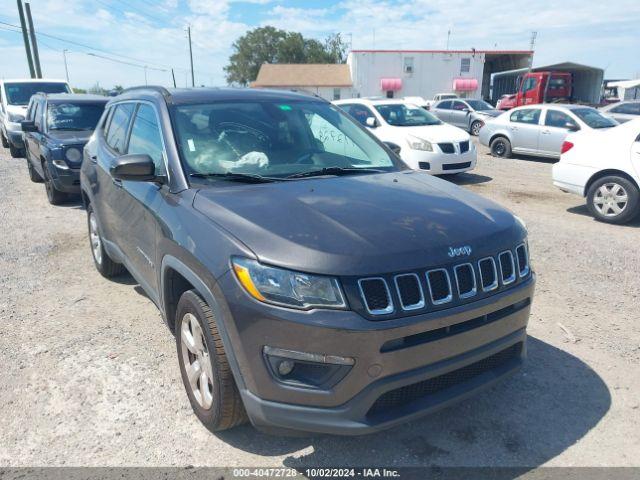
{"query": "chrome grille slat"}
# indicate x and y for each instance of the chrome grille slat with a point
(503, 257)
(414, 306)
(449, 296)
(366, 300)
(474, 289)
(522, 251)
(487, 287)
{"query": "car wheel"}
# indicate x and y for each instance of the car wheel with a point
(33, 175)
(501, 147)
(5, 143)
(204, 367)
(16, 152)
(475, 127)
(107, 267)
(613, 199)
(55, 197)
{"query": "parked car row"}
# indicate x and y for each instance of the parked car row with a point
(299, 262)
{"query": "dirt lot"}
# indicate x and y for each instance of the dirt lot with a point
(89, 373)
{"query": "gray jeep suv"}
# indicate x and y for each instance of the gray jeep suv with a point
(312, 280)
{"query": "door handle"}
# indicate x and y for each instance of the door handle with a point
(93, 158)
(546, 132)
(117, 182)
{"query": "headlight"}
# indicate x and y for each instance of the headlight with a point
(286, 287)
(416, 143)
(15, 117)
(73, 154)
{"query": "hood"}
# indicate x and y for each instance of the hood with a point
(66, 137)
(489, 113)
(359, 225)
(437, 133)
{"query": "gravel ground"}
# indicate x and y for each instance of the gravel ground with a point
(90, 377)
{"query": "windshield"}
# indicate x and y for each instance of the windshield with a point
(274, 139)
(402, 115)
(594, 118)
(479, 105)
(74, 116)
(20, 93)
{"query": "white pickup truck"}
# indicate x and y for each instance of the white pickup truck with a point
(440, 96)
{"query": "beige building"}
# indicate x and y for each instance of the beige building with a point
(329, 81)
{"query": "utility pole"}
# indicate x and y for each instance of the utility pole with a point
(448, 38)
(25, 37)
(145, 75)
(532, 45)
(193, 78)
(173, 75)
(34, 42)
(66, 68)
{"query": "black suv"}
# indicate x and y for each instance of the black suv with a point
(312, 280)
(56, 128)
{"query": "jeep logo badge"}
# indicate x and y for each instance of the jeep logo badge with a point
(460, 251)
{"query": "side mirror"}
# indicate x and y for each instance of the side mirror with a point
(134, 167)
(393, 147)
(371, 122)
(466, 109)
(572, 127)
(28, 126)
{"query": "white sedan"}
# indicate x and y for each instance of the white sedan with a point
(425, 142)
(604, 167)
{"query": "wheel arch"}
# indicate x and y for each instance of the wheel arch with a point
(498, 135)
(605, 173)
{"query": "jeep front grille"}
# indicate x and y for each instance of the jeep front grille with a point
(384, 295)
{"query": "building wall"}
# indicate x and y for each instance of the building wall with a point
(433, 72)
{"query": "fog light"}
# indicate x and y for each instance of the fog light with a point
(285, 367)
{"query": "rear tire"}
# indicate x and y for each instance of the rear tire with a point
(103, 263)
(204, 367)
(5, 143)
(55, 197)
(501, 147)
(613, 199)
(34, 176)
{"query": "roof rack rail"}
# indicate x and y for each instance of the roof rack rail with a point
(157, 88)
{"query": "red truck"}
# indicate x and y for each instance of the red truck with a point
(538, 87)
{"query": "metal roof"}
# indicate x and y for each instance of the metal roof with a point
(303, 75)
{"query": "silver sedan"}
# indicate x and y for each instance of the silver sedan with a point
(622, 111)
(539, 130)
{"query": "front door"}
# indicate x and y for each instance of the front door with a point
(635, 154)
(459, 115)
(140, 202)
(557, 125)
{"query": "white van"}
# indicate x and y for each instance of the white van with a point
(14, 98)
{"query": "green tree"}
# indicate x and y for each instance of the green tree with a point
(272, 45)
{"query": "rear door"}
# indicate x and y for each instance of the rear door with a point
(139, 202)
(524, 130)
(108, 191)
(556, 126)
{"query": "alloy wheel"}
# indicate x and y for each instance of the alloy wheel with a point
(196, 360)
(94, 236)
(499, 148)
(475, 128)
(610, 199)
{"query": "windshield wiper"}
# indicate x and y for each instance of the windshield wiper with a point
(334, 171)
(238, 177)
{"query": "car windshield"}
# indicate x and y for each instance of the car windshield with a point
(403, 115)
(20, 93)
(594, 118)
(479, 105)
(74, 116)
(275, 139)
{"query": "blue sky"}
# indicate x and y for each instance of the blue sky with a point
(152, 32)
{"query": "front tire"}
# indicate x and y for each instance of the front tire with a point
(34, 176)
(55, 196)
(613, 199)
(103, 263)
(501, 147)
(204, 367)
(475, 127)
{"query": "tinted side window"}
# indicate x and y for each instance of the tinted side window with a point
(117, 132)
(527, 115)
(628, 108)
(446, 105)
(146, 137)
(459, 106)
(556, 118)
(37, 113)
(529, 84)
(359, 112)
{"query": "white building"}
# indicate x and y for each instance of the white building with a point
(423, 73)
(627, 89)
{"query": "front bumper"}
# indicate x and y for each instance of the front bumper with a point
(439, 163)
(65, 180)
(358, 404)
